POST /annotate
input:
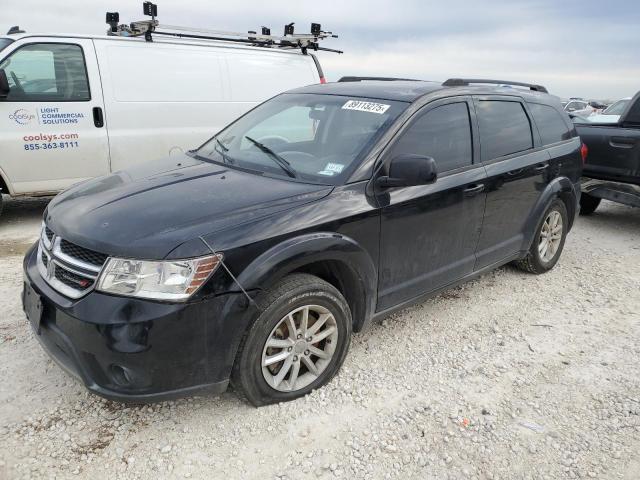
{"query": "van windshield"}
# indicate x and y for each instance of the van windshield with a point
(306, 137)
(4, 42)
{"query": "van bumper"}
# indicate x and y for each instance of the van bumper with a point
(134, 350)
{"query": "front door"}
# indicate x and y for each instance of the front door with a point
(429, 232)
(52, 123)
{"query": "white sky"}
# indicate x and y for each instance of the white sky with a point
(581, 48)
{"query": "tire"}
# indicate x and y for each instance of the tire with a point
(539, 260)
(588, 204)
(256, 378)
(1, 203)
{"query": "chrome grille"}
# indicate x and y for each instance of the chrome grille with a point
(70, 269)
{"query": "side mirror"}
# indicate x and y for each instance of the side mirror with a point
(4, 84)
(409, 170)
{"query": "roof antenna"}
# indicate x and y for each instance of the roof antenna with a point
(15, 29)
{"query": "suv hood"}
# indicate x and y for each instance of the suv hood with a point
(147, 211)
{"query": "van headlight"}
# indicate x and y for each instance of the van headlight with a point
(161, 280)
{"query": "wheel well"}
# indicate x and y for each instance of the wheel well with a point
(346, 281)
(569, 203)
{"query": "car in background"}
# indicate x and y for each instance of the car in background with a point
(598, 107)
(612, 113)
(612, 168)
(578, 107)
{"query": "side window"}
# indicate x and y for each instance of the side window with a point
(49, 72)
(443, 133)
(551, 125)
(504, 128)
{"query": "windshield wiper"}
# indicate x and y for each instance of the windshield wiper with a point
(225, 157)
(282, 163)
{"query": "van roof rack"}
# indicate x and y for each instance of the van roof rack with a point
(464, 82)
(149, 28)
(382, 79)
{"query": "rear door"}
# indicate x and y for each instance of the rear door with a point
(49, 138)
(429, 232)
(517, 170)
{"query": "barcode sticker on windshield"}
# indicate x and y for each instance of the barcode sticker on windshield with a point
(370, 107)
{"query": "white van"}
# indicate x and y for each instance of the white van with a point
(82, 106)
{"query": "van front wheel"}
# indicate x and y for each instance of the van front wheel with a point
(297, 344)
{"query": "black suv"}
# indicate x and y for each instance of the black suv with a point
(254, 257)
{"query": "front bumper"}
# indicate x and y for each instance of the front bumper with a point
(137, 350)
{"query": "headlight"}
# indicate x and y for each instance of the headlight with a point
(164, 280)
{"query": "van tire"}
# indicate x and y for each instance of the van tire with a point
(295, 291)
(588, 204)
(533, 262)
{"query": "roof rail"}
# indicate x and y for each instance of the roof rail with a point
(463, 82)
(382, 79)
(149, 28)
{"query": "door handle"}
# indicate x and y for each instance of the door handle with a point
(541, 167)
(622, 142)
(513, 173)
(473, 190)
(98, 117)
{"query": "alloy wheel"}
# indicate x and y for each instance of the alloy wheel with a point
(299, 348)
(550, 236)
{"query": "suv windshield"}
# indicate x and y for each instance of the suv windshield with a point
(309, 137)
(617, 108)
(4, 42)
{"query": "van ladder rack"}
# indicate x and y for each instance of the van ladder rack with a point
(148, 28)
(464, 82)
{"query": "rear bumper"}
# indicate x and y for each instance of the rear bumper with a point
(625, 193)
(136, 350)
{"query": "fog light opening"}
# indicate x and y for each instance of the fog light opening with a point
(120, 375)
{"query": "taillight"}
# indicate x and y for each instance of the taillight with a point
(584, 151)
(323, 80)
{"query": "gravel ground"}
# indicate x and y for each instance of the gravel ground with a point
(510, 376)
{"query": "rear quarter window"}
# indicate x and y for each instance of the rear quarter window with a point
(550, 123)
(504, 128)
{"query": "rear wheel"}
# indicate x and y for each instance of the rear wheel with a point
(588, 204)
(548, 241)
(297, 344)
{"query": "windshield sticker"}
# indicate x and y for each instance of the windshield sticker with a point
(334, 167)
(370, 107)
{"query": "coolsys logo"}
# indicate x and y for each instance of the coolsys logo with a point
(22, 117)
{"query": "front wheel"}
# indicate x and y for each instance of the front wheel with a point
(297, 344)
(588, 204)
(548, 241)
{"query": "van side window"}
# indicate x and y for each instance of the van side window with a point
(504, 128)
(47, 72)
(443, 133)
(550, 124)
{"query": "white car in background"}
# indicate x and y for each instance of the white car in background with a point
(578, 107)
(611, 114)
